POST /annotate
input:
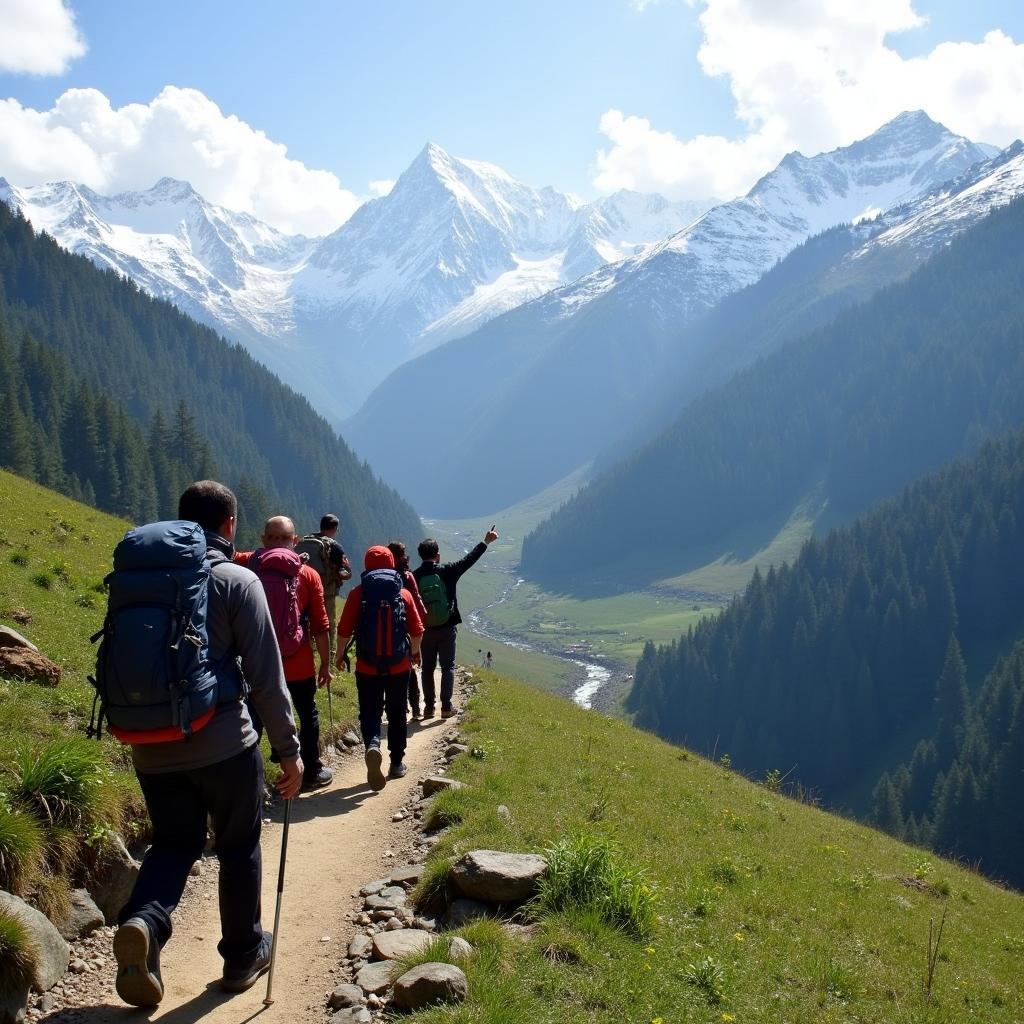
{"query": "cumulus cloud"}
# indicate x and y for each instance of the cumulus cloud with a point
(38, 37)
(812, 75)
(180, 134)
(382, 187)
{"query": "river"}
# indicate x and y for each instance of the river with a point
(591, 676)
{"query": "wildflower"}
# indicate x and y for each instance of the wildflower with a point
(727, 1017)
(649, 951)
(657, 1020)
(647, 967)
(740, 937)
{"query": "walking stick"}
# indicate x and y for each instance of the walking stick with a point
(330, 712)
(268, 1001)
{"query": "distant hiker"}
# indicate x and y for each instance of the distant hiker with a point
(401, 556)
(437, 588)
(381, 614)
(215, 772)
(488, 661)
(296, 600)
(328, 557)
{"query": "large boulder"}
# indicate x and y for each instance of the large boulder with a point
(22, 663)
(494, 877)
(113, 879)
(12, 638)
(84, 917)
(399, 943)
(429, 984)
(52, 953)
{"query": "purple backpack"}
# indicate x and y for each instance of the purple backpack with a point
(278, 570)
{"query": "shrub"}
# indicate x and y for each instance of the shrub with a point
(586, 873)
(19, 558)
(63, 784)
(43, 580)
(21, 849)
(17, 953)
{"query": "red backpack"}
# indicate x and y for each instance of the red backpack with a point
(278, 570)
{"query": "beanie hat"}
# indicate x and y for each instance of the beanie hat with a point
(378, 557)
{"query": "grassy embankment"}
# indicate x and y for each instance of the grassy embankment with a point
(768, 910)
(61, 793)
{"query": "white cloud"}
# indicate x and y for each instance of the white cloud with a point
(38, 37)
(382, 187)
(812, 75)
(182, 134)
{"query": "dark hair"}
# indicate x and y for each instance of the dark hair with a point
(428, 549)
(328, 522)
(207, 503)
(397, 548)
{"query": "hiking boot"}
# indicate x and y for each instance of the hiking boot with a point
(397, 770)
(318, 780)
(415, 711)
(238, 979)
(428, 712)
(374, 776)
(138, 980)
(449, 712)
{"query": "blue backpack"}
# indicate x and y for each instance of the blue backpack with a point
(154, 679)
(382, 637)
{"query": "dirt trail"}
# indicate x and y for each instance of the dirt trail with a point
(336, 844)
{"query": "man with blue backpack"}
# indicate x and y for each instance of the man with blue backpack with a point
(381, 614)
(187, 637)
(437, 583)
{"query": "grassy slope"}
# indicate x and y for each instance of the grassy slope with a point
(43, 533)
(810, 917)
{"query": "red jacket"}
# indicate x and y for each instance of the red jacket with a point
(350, 620)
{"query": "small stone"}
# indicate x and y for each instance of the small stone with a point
(389, 853)
(325, 938)
(374, 1000)
(428, 924)
(405, 915)
(394, 945)
(375, 977)
(84, 917)
(393, 925)
(372, 888)
(429, 984)
(45, 1003)
(460, 949)
(352, 1015)
(363, 919)
(360, 947)
(394, 893)
(344, 996)
(504, 812)
(398, 816)
(455, 749)
(384, 914)
(77, 967)
(435, 783)
(407, 876)
(350, 739)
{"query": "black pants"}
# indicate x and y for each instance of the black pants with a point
(414, 691)
(303, 695)
(231, 793)
(375, 694)
(438, 644)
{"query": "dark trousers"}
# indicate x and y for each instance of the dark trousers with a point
(303, 695)
(414, 691)
(375, 694)
(438, 645)
(231, 793)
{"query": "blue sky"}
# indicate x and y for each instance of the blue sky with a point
(356, 89)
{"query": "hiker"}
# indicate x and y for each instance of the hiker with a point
(215, 772)
(381, 614)
(401, 556)
(296, 600)
(489, 661)
(437, 585)
(328, 557)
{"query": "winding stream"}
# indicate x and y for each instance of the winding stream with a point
(594, 675)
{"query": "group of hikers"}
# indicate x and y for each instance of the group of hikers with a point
(205, 647)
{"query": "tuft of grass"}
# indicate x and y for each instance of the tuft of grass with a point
(51, 894)
(18, 954)
(708, 975)
(432, 888)
(22, 846)
(63, 784)
(587, 872)
(18, 558)
(445, 810)
(43, 580)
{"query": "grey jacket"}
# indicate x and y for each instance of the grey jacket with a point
(239, 623)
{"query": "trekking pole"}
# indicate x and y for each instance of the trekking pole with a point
(330, 712)
(268, 1001)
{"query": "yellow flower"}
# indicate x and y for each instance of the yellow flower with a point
(647, 967)
(657, 1020)
(740, 937)
(727, 1017)
(649, 950)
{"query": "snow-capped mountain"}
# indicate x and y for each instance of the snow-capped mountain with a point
(591, 354)
(454, 243)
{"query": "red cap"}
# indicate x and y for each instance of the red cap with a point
(378, 557)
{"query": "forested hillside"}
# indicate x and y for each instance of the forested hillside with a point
(117, 398)
(920, 373)
(837, 665)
